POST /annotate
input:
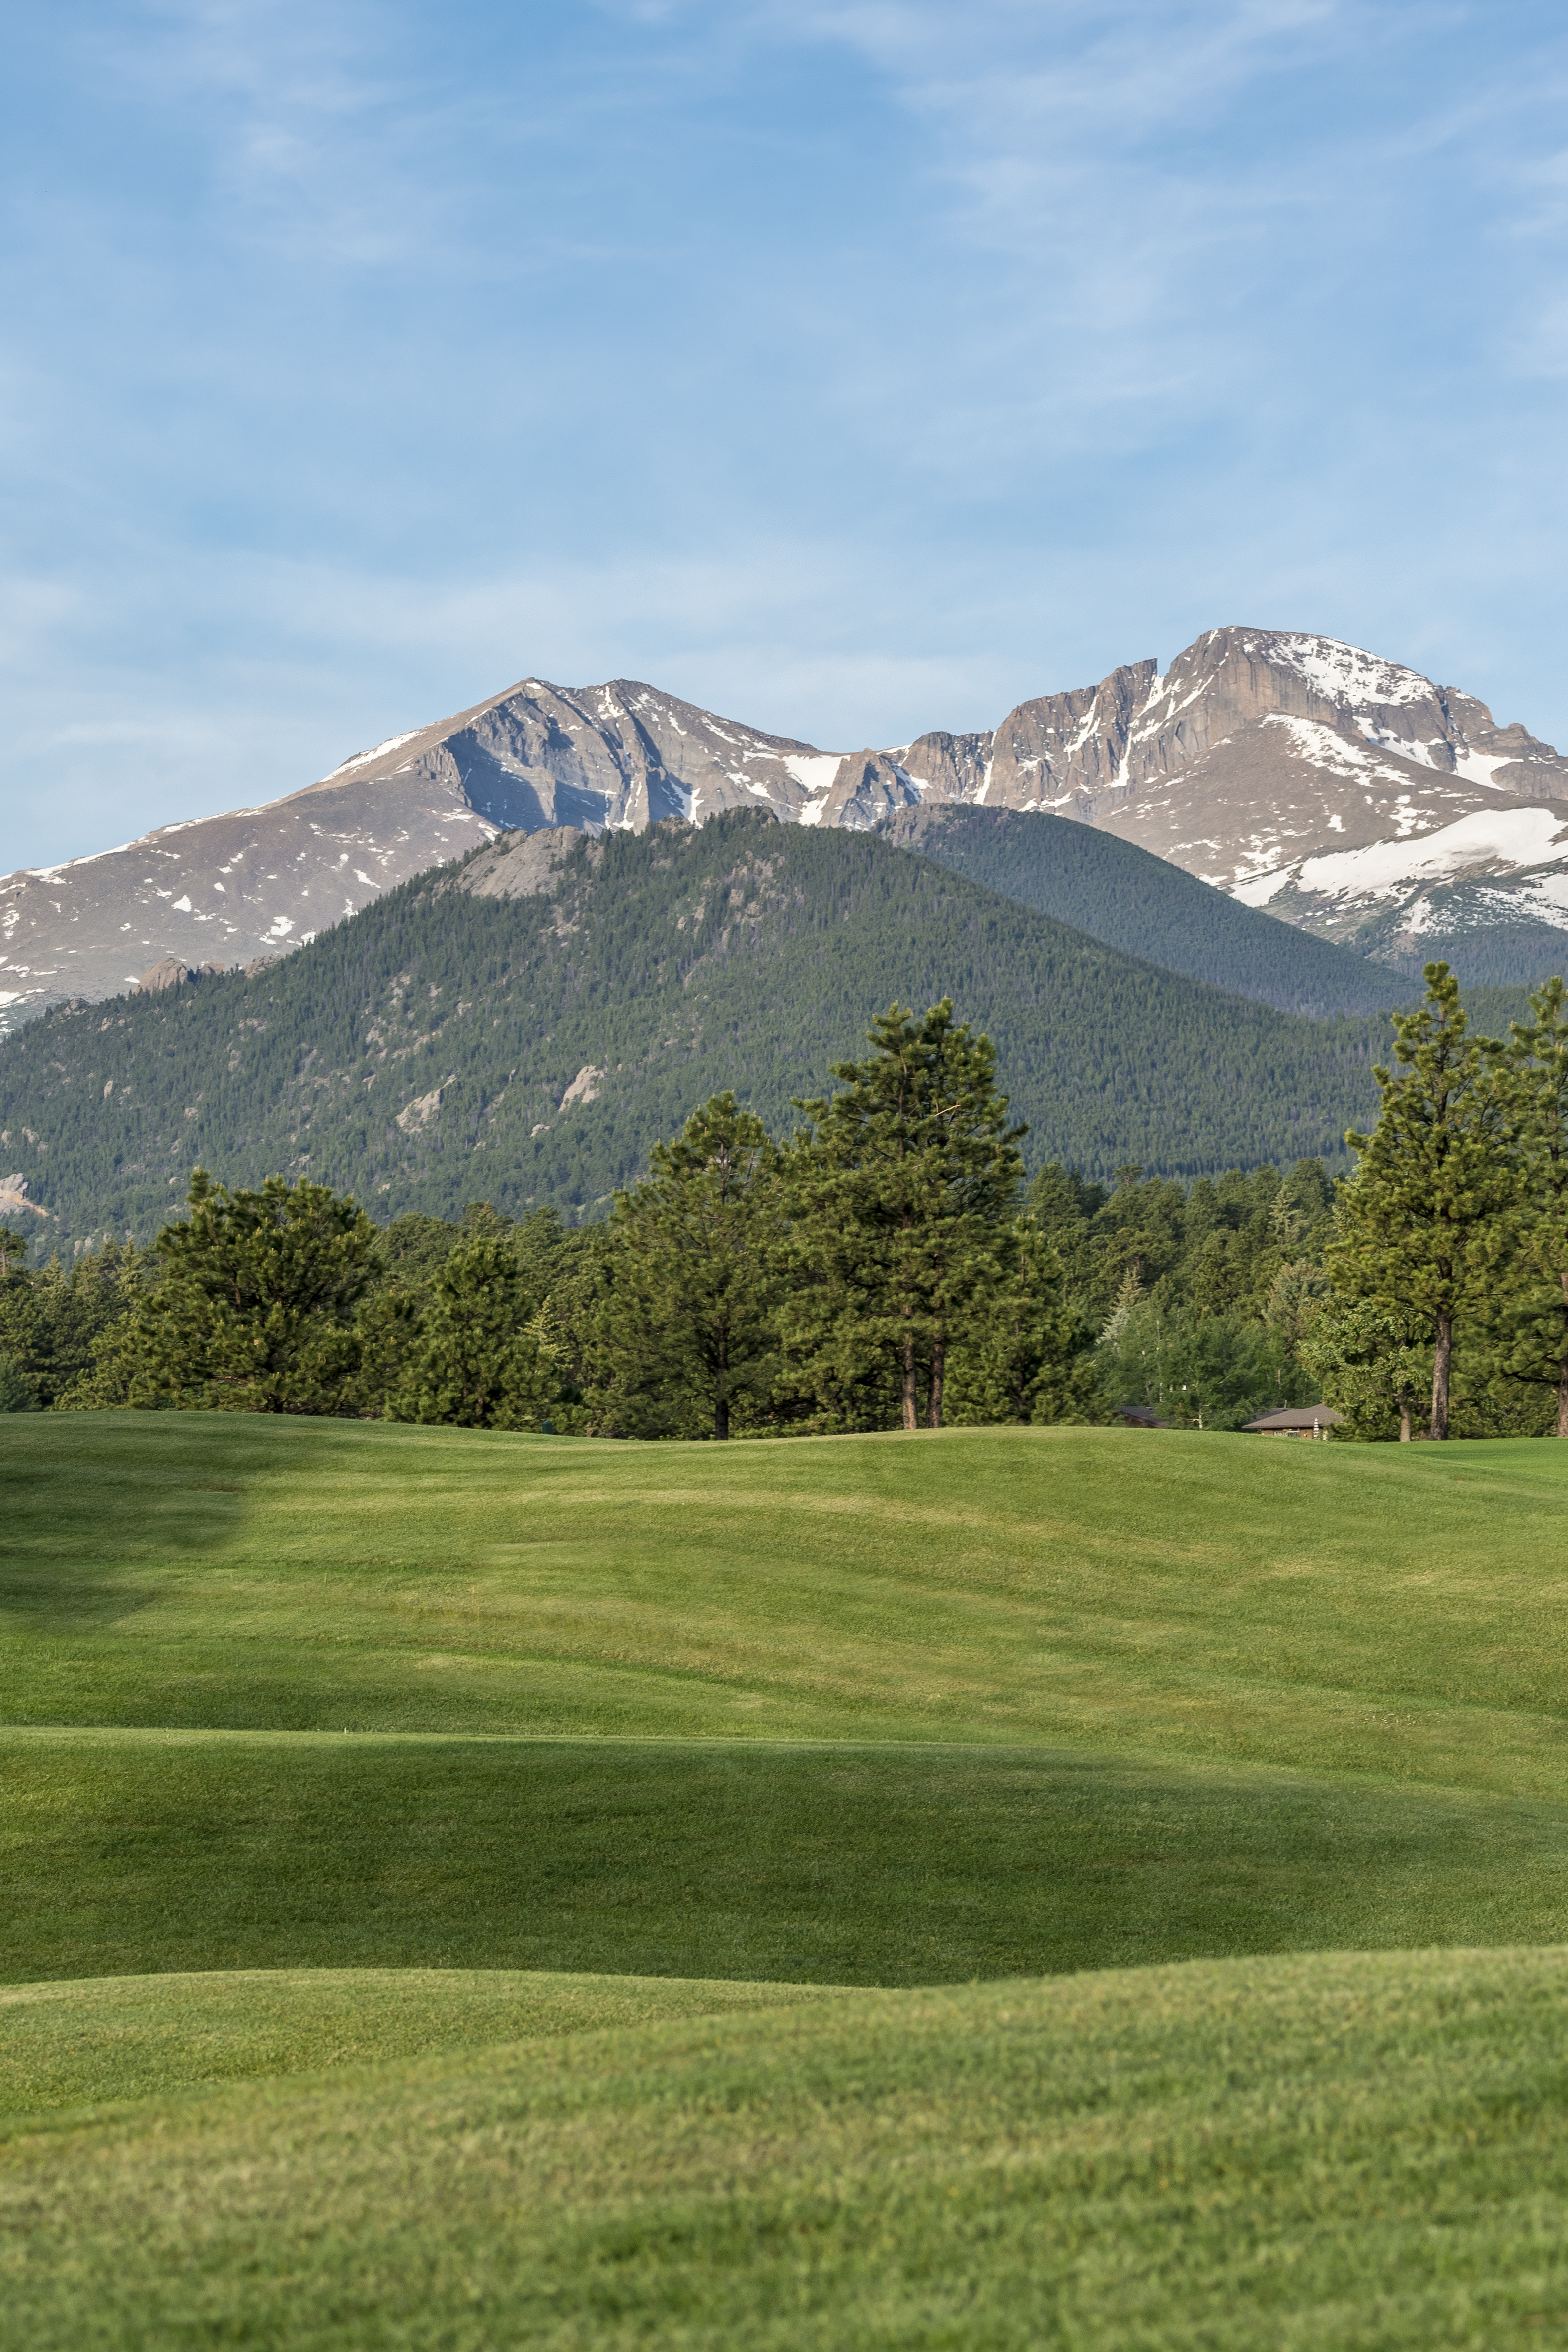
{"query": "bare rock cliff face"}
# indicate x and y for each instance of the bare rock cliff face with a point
(1342, 792)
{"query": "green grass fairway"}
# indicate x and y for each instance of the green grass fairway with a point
(130, 1851)
(109, 2037)
(870, 1711)
(460, 1891)
(1327, 2155)
(1379, 1608)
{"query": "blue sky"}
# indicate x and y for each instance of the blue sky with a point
(851, 368)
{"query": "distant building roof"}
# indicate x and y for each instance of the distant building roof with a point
(1298, 1416)
(1140, 1416)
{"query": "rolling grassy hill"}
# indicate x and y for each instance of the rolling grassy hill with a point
(1333, 2154)
(464, 1889)
(453, 1043)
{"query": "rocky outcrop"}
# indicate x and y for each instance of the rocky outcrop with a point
(170, 973)
(14, 1201)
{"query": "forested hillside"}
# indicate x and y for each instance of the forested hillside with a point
(448, 1045)
(1145, 906)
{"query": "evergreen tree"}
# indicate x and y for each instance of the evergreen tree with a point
(254, 1309)
(1371, 1361)
(898, 1193)
(56, 1323)
(1197, 1371)
(1530, 1319)
(687, 1333)
(1030, 1357)
(1418, 1221)
(482, 1360)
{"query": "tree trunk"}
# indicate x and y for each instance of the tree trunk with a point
(911, 1401)
(933, 1403)
(1563, 1398)
(1441, 1355)
(1405, 1421)
(722, 1415)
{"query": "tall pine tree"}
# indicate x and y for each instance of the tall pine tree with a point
(1530, 1318)
(899, 1194)
(482, 1359)
(686, 1332)
(1418, 1223)
(1030, 1357)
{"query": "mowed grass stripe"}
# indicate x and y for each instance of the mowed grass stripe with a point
(857, 1865)
(1324, 1608)
(1331, 2155)
(104, 2039)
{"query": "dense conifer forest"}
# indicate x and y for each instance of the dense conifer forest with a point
(445, 1045)
(1128, 898)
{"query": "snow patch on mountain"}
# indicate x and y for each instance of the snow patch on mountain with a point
(813, 771)
(1330, 751)
(1512, 837)
(1343, 673)
(380, 751)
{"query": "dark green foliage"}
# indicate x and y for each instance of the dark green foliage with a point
(688, 1336)
(897, 1195)
(1219, 1245)
(1530, 1316)
(1200, 1296)
(1198, 1370)
(1148, 907)
(482, 1360)
(54, 1323)
(679, 964)
(253, 1309)
(1372, 1363)
(1419, 1224)
(1028, 1355)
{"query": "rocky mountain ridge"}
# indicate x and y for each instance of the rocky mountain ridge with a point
(1342, 792)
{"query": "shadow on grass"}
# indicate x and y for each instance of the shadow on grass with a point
(841, 1865)
(94, 1503)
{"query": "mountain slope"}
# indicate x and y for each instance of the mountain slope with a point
(257, 882)
(1130, 899)
(522, 1027)
(1349, 795)
(1355, 798)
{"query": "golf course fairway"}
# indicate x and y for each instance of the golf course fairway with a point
(996, 1887)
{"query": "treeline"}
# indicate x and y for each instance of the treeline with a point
(873, 1271)
(885, 1266)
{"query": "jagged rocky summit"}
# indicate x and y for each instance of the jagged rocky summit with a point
(1339, 790)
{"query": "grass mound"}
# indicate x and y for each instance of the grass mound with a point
(1336, 2152)
(865, 1711)
(112, 2038)
(1351, 1608)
